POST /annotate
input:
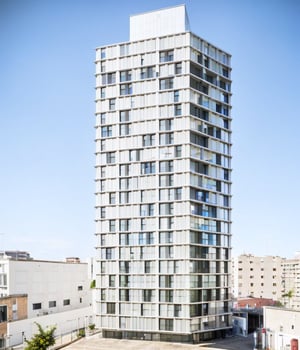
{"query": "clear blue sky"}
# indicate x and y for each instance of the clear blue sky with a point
(47, 118)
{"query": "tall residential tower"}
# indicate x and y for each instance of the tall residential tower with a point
(163, 170)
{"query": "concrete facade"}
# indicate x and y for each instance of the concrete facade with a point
(163, 182)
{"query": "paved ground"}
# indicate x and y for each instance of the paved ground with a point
(96, 342)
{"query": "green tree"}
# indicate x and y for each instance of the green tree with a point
(289, 295)
(41, 340)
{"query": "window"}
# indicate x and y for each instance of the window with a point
(146, 209)
(166, 209)
(166, 166)
(102, 92)
(177, 109)
(102, 212)
(3, 313)
(112, 280)
(124, 197)
(148, 140)
(147, 294)
(52, 303)
(124, 294)
(109, 253)
(166, 56)
(134, 155)
(166, 252)
(166, 180)
(124, 169)
(124, 116)
(110, 308)
(176, 96)
(102, 54)
(178, 151)
(112, 198)
(178, 193)
(110, 157)
(125, 75)
(124, 225)
(148, 72)
(178, 68)
(177, 310)
(36, 306)
(146, 238)
(106, 131)
(166, 138)
(66, 302)
(148, 168)
(125, 89)
(166, 83)
(166, 281)
(112, 225)
(165, 324)
(124, 266)
(109, 78)
(165, 124)
(166, 296)
(124, 129)
(112, 104)
(166, 237)
(147, 265)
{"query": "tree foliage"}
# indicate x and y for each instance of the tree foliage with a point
(41, 340)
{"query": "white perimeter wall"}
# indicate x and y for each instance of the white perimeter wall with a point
(65, 322)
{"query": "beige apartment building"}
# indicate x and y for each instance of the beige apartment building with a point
(258, 277)
(271, 277)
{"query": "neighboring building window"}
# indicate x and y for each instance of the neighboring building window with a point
(166, 56)
(36, 306)
(3, 313)
(52, 303)
(66, 302)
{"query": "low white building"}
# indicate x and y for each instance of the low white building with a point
(52, 287)
(282, 328)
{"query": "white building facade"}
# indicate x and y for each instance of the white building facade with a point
(51, 286)
(163, 170)
(53, 293)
